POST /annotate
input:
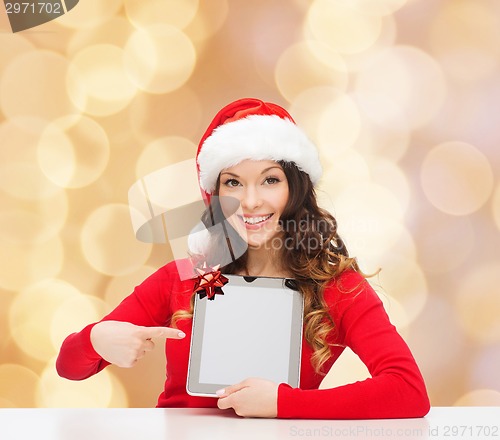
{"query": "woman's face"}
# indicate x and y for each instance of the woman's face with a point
(262, 190)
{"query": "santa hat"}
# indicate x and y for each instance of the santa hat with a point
(253, 129)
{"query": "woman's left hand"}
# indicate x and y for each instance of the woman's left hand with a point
(251, 398)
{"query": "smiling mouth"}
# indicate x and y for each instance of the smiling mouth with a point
(256, 220)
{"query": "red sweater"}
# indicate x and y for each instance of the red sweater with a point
(395, 390)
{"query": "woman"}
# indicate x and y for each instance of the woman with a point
(253, 152)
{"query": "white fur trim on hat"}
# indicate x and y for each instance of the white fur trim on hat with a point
(256, 137)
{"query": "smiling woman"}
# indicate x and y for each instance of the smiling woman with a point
(262, 190)
(254, 153)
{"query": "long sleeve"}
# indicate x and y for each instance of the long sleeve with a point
(396, 388)
(148, 305)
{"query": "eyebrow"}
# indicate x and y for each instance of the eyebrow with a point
(263, 171)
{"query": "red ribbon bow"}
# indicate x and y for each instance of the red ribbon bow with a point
(209, 281)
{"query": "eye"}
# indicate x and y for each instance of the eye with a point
(272, 180)
(231, 183)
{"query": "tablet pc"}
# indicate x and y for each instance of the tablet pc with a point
(253, 330)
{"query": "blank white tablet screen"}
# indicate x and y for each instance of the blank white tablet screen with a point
(248, 333)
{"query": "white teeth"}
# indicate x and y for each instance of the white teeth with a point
(255, 220)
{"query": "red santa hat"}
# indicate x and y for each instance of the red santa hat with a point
(253, 129)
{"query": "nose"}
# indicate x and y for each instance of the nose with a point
(251, 199)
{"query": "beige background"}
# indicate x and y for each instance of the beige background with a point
(401, 98)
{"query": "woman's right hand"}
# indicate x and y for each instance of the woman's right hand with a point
(123, 343)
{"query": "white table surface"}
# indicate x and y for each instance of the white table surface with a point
(207, 424)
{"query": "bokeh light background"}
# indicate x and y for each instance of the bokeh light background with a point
(401, 96)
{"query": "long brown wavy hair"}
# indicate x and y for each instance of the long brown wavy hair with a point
(312, 251)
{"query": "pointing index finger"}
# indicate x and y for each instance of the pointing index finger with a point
(163, 332)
